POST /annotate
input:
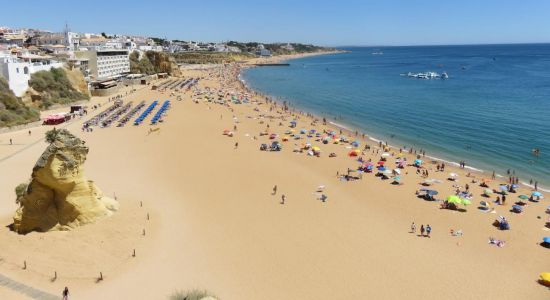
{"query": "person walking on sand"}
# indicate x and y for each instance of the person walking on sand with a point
(422, 230)
(11, 142)
(283, 199)
(65, 294)
(236, 145)
(275, 190)
(428, 230)
(413, 228)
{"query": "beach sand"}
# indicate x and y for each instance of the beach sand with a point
(214, 223)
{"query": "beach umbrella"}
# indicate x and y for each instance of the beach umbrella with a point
(387, 171)
(452, 175)
(418, 161)
(515, 185)
(484, 204)
(316, 149)
(454, 199)
(381, 163)
(546, 239)
(545, 277)
(432, 192)
(381, 168)
(536, 194)
(397, 178)
(355, 144)
(397, 171)
(293, 122)
(466, 201)
(487, 192)
(503, 188)
(523, 197)
(385, 154)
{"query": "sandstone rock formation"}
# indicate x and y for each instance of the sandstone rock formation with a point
(59, 197)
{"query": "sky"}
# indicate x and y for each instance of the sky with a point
(321, 22)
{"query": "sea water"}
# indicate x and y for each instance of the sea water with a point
(491, 112)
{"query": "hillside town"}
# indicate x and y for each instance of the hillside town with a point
(102, 58)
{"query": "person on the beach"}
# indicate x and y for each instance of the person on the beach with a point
(65, 294)
(467, 187)
(503, 199)
(422, 230)
(283, 199)
(11, 142)
(274, 189)
(494, 176)
(29, 132)
(428, 230)
(413, 228)
(236, 145)
(536, 185)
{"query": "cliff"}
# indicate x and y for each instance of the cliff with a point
(57, 86)
(59, 197)
(12, 109)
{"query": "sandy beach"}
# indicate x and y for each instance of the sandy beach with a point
(200, 212)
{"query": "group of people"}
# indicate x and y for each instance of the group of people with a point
(424, 231)
(423, 172)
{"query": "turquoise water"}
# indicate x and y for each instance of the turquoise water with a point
(491, 112)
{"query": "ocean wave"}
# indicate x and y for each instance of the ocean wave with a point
(339, 126)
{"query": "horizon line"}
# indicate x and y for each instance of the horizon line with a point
(443, 45)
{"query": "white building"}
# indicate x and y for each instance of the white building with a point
(106, 63)
(18, 70)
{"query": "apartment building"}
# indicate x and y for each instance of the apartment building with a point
(106, 63)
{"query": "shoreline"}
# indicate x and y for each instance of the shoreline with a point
(350, 129)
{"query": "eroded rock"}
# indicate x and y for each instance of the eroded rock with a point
(59, 197)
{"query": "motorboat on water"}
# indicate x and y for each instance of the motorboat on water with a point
(427, 75)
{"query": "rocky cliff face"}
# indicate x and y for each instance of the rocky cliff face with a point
(59, 197)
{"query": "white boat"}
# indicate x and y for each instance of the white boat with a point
(427, 75)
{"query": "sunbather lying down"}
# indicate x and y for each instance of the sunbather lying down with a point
(456, 232)
(494, 241)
